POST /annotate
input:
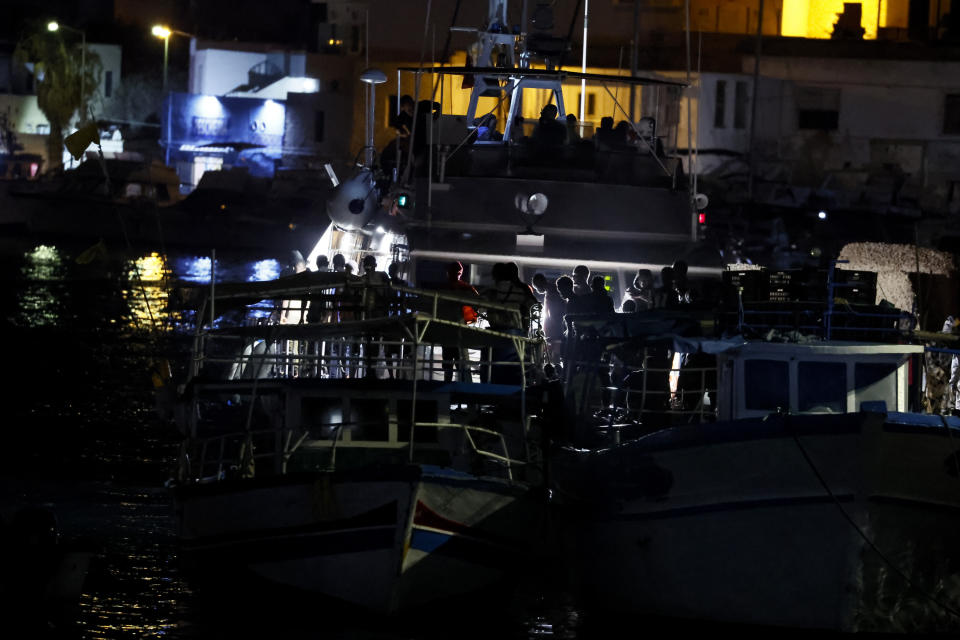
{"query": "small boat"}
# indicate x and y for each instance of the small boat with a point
(794, 483)
(330, 450)
(42, 576)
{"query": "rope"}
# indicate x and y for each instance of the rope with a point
(862, 534)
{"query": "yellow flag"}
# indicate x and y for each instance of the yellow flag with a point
(78, 141)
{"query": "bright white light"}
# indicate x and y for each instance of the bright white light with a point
(209, 107)
(822, 215)
(381, 230)
(52, 25)
(322, 247)
(196, 269)
(272, 114)
(160, 31)
(264, 270)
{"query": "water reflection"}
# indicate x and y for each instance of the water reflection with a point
(147, 294)
(264, 270)
(39, 303)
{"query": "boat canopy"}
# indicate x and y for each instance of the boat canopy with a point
(543, 74)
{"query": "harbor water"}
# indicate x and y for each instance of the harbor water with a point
(82, 338)
(82, 437)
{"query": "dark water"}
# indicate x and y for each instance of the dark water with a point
(82, 330)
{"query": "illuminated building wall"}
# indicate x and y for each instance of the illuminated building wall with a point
(816, 18)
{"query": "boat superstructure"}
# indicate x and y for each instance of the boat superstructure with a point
(786, 479)
(365, 443)
(487, 186)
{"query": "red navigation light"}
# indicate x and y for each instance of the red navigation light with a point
(702, 218)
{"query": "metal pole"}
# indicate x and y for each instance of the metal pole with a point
(213, 284)
(83, 72)
(634, 61)
(583, 64)
(166, 43)
(753, 103)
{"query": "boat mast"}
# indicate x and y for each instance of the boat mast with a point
(753, 103)
(583, 63)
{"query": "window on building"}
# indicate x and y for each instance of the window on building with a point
(590, 107)
(951, 114)
(740, 103)
(767, 384)
(822, 387)
(719, 107)
(318, 124)
(818, 108)
(107, 83)
(355, 38)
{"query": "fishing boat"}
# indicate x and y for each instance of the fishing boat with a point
(343, 457)
(787, 478)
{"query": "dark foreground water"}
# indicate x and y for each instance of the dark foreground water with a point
(80, 435)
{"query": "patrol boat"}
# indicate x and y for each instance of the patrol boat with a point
(788, 478)
(482, 185)
(329, 447)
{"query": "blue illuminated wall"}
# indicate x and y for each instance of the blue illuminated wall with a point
(189, 121)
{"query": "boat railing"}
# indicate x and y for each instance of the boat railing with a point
(247, 359)
(232, 455)
(357, 327)
(242, 454)
(686, 392)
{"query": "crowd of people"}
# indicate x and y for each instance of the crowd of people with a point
(506, 304)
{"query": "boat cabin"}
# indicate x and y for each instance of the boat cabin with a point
(823, 377)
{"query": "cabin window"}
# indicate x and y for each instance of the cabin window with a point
(876, 382)
(767, 384)
(322, 416)
(318, 124)
(818, 108)
(719, 107)
(369, 419)
(427, 411)
(951, 114)
(822, 387)
(740, 103)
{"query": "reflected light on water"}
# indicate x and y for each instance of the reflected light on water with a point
(195, 269)
(264, 270)
(39, 305)
(147, 296)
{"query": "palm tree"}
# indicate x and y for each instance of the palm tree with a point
(60, 91)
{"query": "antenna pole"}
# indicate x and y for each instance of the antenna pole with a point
(753, 103)
(583, 64)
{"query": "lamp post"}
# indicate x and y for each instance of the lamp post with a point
(54, 26)
(165, 32)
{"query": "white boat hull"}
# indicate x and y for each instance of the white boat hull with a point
(762, 527)
(384, 544)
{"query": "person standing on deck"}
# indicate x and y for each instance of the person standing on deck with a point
(581, 280)
(454, 356)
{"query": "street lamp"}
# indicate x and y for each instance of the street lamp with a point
(165, 32)
(54, 26)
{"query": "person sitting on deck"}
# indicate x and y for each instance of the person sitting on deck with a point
(605, 138)
(641, 291)
(573, 131)
(599, 300)
(549, 132)
(517, 134)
